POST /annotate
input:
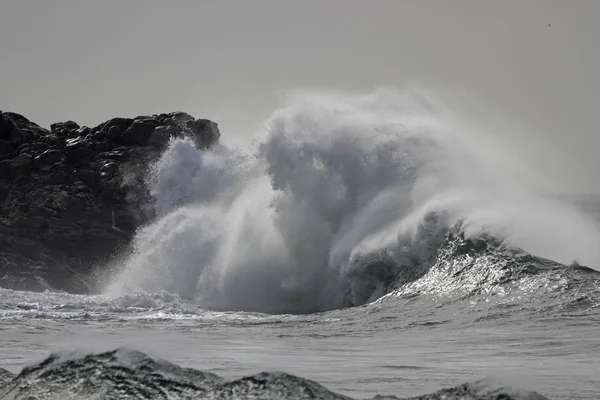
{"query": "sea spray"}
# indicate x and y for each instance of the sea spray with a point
(343, 198)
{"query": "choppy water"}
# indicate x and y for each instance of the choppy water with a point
(374, 245)
(536, 331)
(368, 351)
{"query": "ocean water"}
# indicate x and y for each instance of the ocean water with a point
(364, 245)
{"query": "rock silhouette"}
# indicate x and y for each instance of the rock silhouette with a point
(72, 197)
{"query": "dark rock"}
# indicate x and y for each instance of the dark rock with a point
(57, 178)
(4, 191)
(57, 166)
(115, 132)
(83, 131)
(64, 128)
(23, 159)
(161, 135)
(21, 164)
(24, 148)
(9, 130)
(6, 148)
(79, 151)
(122, 122)
(72, 198)
(204, 132)
(39, 147)
(19, 129)
(22, 180)
(110, 168)
(179, 117)
(89, 177)
(100, 146)
(113, 155)
(6, 171)
(114, 128)
(138, 133)
(53, 140)
(49, 157)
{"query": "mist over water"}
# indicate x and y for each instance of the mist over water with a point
(340, 196)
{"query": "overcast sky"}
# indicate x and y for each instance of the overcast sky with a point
(227, 60)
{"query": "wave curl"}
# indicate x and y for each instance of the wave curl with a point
(342, 200)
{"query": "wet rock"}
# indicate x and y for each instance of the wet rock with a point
(22, 180)
(79, 151)
(6, 148)
(203, 131)
(138, 133)
(49, 157)
(161, 135)
(9, 130)
(6, 171)
(71, 198)
(123, 123)
(62, 129)
(113, 155)
(52, 140)
(110, 168)
(21, 164)
(89, 177)
(115, 132)
(56, 178)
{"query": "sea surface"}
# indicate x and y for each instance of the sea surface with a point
(360, 353)
(365, 245)
(539, 332)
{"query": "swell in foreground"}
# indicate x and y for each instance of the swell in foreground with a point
(134, 375)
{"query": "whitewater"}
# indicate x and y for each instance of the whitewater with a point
(389, 243)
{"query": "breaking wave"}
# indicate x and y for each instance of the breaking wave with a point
(344, 199)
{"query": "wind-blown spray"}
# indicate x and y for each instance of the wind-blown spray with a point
(342, 197)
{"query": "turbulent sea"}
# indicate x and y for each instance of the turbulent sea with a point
(372, 246)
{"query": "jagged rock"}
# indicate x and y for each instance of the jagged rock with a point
(113, 129)
(72, 197)
(120, 122)
(22, 180)
(160, 136)
(203, 131)
(5, 170)
(52, 140)
(110, 168)
(49, 157)
(113, 155)
(6, 148)
(138, 133)
(19, 129)
(89, 177)
(9, 131)
(20, 165)
(114, 132)
(64, 128)
(40, 146)
(56, 178)
(79, 151)
(23, 160)
(84, 131)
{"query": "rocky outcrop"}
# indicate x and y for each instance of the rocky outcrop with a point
(72, 197)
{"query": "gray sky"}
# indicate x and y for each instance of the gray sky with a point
(228, 60)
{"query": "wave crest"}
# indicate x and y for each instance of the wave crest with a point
(343, 198)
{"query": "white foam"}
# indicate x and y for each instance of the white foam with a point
(280, 227)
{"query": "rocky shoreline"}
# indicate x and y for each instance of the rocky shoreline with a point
(72, 197)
